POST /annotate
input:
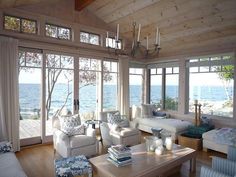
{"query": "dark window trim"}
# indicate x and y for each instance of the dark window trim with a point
(58, 26)
(20, 18)
(99, 37)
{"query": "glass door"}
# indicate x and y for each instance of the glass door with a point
(59, 87)
(30, 84)
(89, 88)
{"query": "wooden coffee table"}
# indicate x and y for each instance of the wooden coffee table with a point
(145, 164)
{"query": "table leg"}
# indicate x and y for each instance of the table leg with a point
(193, 164)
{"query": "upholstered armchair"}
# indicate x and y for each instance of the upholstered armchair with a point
(224, 166)
(208, 172)
(126, 135)
(66, 146)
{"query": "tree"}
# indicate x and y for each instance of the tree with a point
(56, 65)
(226, 75)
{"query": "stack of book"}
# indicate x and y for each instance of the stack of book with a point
(119, 155)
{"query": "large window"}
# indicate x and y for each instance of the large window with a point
(89, 38)
(156, 87)
(58, 32)
(171, 88)
(136, 86)
(19, 24)
(110, 85)
(211, 82)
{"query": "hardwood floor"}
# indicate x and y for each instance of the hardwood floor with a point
(38, 161)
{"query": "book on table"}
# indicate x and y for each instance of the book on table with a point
(119, 155)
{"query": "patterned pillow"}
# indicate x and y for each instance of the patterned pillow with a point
(114, 118)
(5, 147)
(71, 125)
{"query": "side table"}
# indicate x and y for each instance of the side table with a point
(94, 123)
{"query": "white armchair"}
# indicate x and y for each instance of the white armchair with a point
(128, 135)
(66, 146)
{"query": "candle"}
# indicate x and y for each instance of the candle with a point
(169, 143)
(107, 40)
(117, 32)
(195, 101)
(159, 142)
(159, 150)
(152, 148)
(147, 42)
(159, 39)
(157, 33)
(139, 30)
(123, 45)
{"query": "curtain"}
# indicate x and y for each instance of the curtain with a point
(9, 100)
(124, 85)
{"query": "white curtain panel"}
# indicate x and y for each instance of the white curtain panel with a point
(9, 100)
(124, 85)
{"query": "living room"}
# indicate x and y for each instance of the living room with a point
(161, 65)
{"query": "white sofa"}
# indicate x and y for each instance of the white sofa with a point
(147, 121)
(219, 139)
(10, 166)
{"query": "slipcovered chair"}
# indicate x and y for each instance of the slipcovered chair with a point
(231, 155)
(208, 172)
(67, 146)
(128, 136)
(224, 166)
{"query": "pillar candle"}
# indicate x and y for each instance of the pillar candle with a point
(157, 35)
(139, 30)
(169, 143)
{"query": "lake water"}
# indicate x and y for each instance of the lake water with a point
(30, 95)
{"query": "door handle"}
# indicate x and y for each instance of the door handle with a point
(78, 103)
(75, 104)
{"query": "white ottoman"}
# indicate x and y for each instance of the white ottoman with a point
(209, 142)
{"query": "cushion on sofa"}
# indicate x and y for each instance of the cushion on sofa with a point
(81, 140)
(157, 113)
(10, 166)
(127, 131)
(5, 146)
(147, 110)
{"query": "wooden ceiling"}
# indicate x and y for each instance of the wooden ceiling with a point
(184, 24)
(16, 3)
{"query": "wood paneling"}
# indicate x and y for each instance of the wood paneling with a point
(184, 24)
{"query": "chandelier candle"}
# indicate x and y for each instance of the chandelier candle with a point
(117, 32)
(139, 30)
(159, 39)
(147, 42)
(157, 35)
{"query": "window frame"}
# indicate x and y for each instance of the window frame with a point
(58, 26)
(20, 18)
(188, 72)
(99, 38)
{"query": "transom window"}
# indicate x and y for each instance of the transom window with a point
(111, 42)
(89, 38)
(211, 82)
(20, 25)
(58, 32)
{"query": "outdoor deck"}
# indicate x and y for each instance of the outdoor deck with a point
(31, 128)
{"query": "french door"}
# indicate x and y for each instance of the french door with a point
(50, 82)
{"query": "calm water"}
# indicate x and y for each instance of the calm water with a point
(30, 96)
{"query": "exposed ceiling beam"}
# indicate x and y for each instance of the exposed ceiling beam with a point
(81, 4)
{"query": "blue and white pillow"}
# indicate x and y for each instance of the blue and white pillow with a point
(5, 147)
(114, 118)
(71, 125)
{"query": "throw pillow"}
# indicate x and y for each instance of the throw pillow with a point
(158, 113)
(114, 118)
(71, 125)
(5, 147)
(146, 110)
(124, 123)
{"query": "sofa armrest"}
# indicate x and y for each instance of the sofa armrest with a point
(59, 136)
(90, 132)
(133, 124)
